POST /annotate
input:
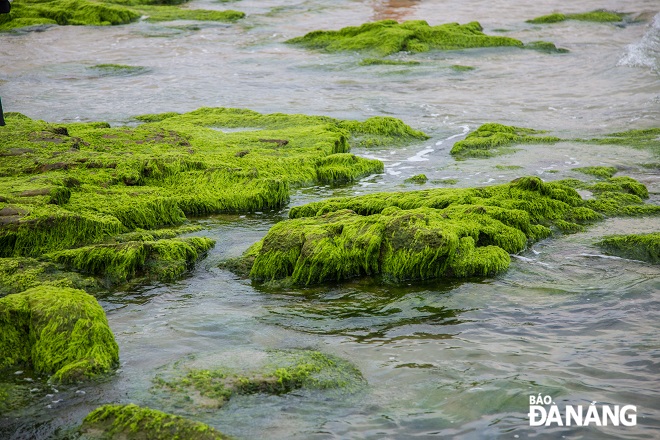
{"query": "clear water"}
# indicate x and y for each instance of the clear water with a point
(443, 359)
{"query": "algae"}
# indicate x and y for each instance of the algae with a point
(545, 46)
(117, 69)
(284, 371)
(387, 62)
(493, 139)
(648, 139)
(419, 179)
(170, 13)
(57, 331)
(429, 234)
(605, 172)
(462, 68)
(386, 37)
(70, 185)
(131, 422)
(643, 247)
(598, 16)
(19, 274)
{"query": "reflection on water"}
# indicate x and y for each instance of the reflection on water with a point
(393, 9)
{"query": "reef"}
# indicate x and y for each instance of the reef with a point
(643, 247)
(70, 185)
(386, 37)
(62, 332)
(283, 371)
(26, 13)
(131, 422)
(599, 16)
(493, 139)
(428, 234)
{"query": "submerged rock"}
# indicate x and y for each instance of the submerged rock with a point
(274, 372)
(598, 16)
(644, 247)
(57, 331)
(388, 36)
(131, 422)
(427, 234)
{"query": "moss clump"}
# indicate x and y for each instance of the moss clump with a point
(72, 185)
(131, 422)
(493, 139)
(65, 12)
(164, 260)
(644, 247)
(461, 68)
(419, 179)
(617, 196)
(58, 331)
(643, 139)
(170, 13)
(545, 46)
(598, 16)
(387, 37)
(386, 62)
(605, 172)
(415, 235)
(283, 372)
(118, 69)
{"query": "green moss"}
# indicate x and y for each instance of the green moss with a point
(617, 196)
(13, 396)
(604, 172)
(508, 167)
(545, 46)
(461, 68)
(644, 247)
(387, 62)
(444, 181)
(387, 37)
(72, 185)
(284, 371)
(65, 12)
(164, 260)
(493, 139)
(644, 139)
(418, 179)
(19, 274)
(58, 331)
(170, 13)
(429, 234)
(598, 16)
(118, 69)
(131, 422)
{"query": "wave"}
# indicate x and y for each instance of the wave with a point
(645, 52)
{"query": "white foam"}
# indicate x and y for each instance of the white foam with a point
(645, 52)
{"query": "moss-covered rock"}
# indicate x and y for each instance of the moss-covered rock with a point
(387, 62)
(69, 185)
(164, 260)
(644, 247)
(58, 331)
(492, 139)
(131, 422)
(428, 234)
(598, 16)
(418, 179)
(388, 36)
(280, 372)
(605, 172)
(545, 46)
(643, 139)
(104, 13)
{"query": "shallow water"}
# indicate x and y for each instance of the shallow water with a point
(442, 359)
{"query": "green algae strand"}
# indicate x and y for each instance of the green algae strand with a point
(644, 247)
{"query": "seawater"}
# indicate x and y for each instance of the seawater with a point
(445, 359)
